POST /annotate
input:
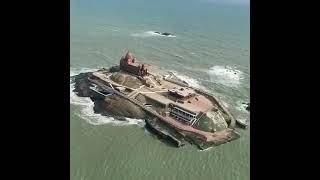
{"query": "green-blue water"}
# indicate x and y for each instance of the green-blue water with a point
(210, 50)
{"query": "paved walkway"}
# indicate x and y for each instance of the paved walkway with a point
(223, 135)
(135, 92)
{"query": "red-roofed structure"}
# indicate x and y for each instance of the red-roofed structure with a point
(128, 63)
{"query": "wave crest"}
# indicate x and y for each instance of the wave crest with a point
(226, 75)
(149, 34)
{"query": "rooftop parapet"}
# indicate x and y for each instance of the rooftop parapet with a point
(182, 92)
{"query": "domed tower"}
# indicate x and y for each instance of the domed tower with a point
(127, 59)
(128, 63)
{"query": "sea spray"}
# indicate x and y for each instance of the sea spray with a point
(149, 34)
(226, 75)
(87, 112)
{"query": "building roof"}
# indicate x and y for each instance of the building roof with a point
(184, 92)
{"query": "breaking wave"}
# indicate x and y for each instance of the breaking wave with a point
(241, 107)
(224, 103)
(76, 71)
(226, 75)
(191, 81)
(244, 120)
(87, 112)
(204, 150)
(149, 34)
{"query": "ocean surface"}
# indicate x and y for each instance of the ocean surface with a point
(210, 49)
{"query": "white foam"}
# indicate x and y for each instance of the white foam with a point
(244, 120)
(241, 107)
(149, 34)
(226, 75)
(74, 99)
(87, 112)
(204, 150)
(76, 71)
(147, 132)
(191, 81)
(224, 103)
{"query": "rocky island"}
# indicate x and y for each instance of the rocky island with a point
(164, 33)
(171, 108)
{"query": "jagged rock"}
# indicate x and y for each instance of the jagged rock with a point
(166, 34)
(126, 80)
(247, 105)
(114, 69)
(111, 106)
(82, 84)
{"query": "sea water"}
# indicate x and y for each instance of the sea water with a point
(209, 49)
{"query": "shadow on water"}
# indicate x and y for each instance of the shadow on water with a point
(165, 140)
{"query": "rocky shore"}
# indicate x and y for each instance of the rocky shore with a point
(111, 105)
(120, 108)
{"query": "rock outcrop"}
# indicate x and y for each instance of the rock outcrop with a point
(82, 84)
(113, 106)
(126, 80)
(164, 33)
(110, 106)
(248, 106)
